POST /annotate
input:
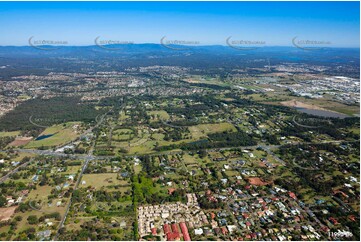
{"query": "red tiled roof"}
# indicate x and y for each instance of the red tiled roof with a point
(185, 233)
(175, 228)
(171, 236)
(292, 195)
(333, 220)
(166, 228)
(171, 190)
(325, 229)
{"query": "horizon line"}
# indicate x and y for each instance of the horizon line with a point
(193, 46)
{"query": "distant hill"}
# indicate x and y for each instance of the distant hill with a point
(158, 49)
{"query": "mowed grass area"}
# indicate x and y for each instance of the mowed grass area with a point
(123, 134)
(71, 170)
(122, 116)
(201, 130)
(148, 141)
(355, 130)
(41, 194)
(34, 196)
(161, 114)
(9, 134)
(137, 169)
(21, 155)
(63, 133)
(101, 180)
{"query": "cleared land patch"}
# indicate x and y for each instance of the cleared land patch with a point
(297, 104)
(60, 134)
(19, 141)
(6, 213)
(102, 180)
(201, 130)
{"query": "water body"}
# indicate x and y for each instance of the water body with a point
(323, 113)
(44, 136)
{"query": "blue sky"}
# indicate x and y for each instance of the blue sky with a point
(275, 23)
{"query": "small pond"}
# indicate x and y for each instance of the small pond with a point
(41, 137)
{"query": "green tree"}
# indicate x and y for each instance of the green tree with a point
(33, 219)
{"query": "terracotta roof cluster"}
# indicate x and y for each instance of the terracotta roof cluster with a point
(185, 233)
(171, 232)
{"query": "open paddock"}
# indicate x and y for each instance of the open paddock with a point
(161, 114)
(9, 134)
(61, 134)
(6, 213)
(101, 180)
(201, 130)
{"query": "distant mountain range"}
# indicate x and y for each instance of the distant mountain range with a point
(159, 49)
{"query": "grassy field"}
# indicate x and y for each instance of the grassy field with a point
(161, 113)
(149, 142)
(62, 135)
(123, 116)
(12, 133)
(355, 130)
(21, 155)
(137, 169)
(71, 170)
(123, 134)
(201, 130)
(188, 159)
(41, 194)
(101, 180)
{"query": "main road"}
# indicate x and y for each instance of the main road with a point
(61, 225)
